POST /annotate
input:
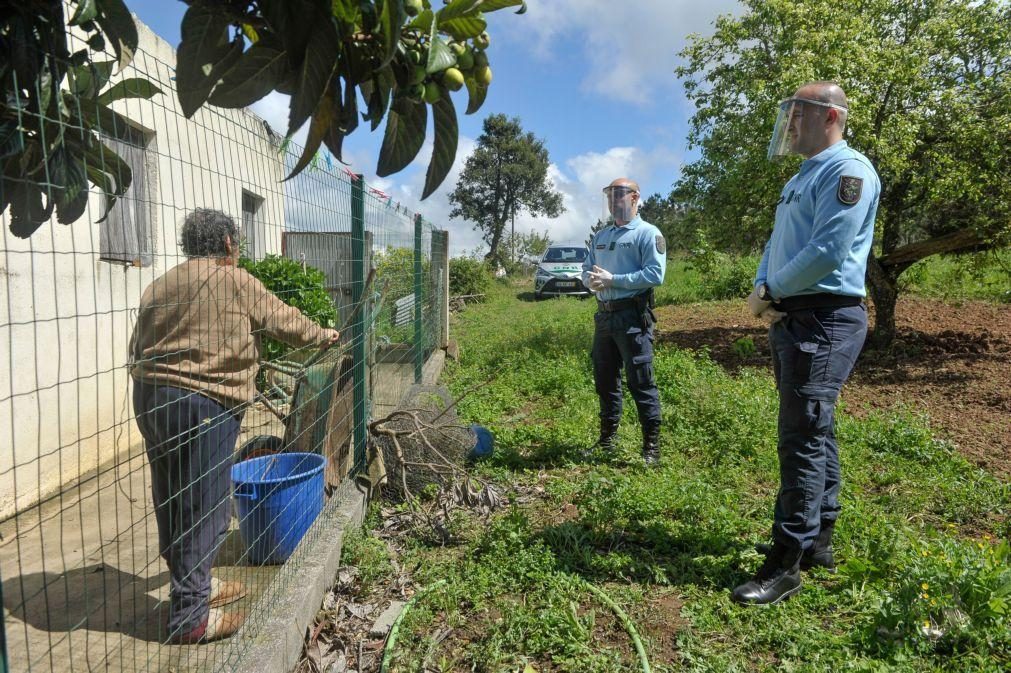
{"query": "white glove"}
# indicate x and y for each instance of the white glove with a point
(756, 305)
(600, 278)
(772, 316)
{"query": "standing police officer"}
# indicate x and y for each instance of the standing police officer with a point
(809, 287)
(627, 259)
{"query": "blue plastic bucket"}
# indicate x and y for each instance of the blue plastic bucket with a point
(276, 499)
(484, 443)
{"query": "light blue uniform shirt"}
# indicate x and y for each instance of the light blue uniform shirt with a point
(636, 254)
(820, 242)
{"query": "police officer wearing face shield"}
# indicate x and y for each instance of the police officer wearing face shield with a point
(627, 259)
(810, 288)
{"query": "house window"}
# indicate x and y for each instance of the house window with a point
(251, 204)
(125, 234)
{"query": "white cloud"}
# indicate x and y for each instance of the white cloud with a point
(631, 53)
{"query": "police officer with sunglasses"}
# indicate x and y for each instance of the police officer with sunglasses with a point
(626, 260)
(810, 288)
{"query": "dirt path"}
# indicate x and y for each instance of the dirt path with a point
(951, 360)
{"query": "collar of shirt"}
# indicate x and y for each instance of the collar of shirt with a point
(636, 221)
(826, 153)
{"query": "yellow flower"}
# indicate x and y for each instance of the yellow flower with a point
(987, 536)
(926, 625)
(924, 586)
(933, 602)
(925, 595)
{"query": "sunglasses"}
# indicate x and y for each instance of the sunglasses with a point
(619, 191)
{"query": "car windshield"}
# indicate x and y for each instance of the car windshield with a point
(565, 255)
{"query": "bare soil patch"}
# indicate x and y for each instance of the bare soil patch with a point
(952, 361)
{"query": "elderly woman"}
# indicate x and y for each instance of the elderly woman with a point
(195, 350)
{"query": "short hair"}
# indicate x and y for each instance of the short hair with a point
(826, 91)
(205, 231)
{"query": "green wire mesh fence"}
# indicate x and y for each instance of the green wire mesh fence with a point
(112, 525)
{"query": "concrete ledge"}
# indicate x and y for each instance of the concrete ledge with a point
(432, 370)
(277, 642)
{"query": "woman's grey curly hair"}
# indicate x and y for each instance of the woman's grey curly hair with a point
(204, 233)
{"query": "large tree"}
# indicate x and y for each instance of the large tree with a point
(396, 57)
(929, 83)
(506, 175)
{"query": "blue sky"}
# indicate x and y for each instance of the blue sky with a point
(593, 78)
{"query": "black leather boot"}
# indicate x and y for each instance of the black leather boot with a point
(775, 581)
(606, 441)
(651, 446)
(820, 555)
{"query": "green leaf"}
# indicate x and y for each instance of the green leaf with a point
(391, 18)
(458, 8)
(116, 22)
(204, 45)
(476, 93)
(28, 212)
(494, 5)
(11, 140)
(320, 61)
(378, 99)
(72, 201)
(347, 11)
(90, 78)
(101, 158)
(86, 11)
(445, 143)
(254, 75)
(135, 87)
(324, 118)
(423, 21)
(405, 133)
(464, 27)
(110, 123)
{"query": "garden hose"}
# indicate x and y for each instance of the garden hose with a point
(607, 600)
(395, 629)
(625, 620)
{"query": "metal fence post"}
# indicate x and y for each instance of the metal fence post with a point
(440, 286)
(3, 633)
(358, 325)
(419, 346)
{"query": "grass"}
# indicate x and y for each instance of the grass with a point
(925, 584)
(984, 275)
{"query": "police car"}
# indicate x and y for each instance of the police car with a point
(560, 272)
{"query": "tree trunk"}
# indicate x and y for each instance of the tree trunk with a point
(496, 239)
(884, 288)
(883, 275)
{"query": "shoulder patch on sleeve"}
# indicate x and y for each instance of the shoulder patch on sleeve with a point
(661, 245)
(849, 189)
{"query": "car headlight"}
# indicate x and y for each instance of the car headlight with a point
(543, 273)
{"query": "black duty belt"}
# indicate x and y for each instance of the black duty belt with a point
(806, 302)
(618, 305)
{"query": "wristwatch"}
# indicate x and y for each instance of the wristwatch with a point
(764, 294)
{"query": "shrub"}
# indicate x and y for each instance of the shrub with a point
(723, 276)
(468, 277)
(303, 287)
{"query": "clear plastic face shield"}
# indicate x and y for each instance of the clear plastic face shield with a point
(619, 204)
(787, 134)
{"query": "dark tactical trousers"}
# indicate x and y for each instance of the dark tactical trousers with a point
(190, 443)
(625, 339)
(813, 353)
